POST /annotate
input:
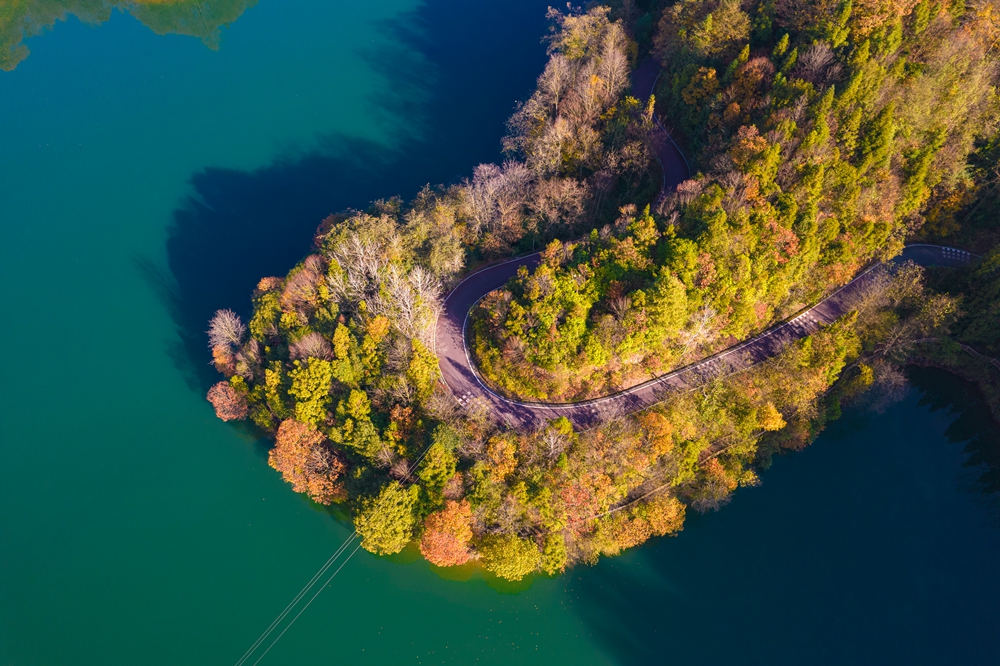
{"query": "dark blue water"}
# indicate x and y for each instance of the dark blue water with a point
(878, 544)
(148, 180)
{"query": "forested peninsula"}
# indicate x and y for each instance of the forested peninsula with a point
(822, 135)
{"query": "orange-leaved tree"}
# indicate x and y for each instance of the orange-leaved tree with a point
(230, 404)
(306, 460)
(447, 534)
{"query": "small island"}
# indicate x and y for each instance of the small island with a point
(820, 139)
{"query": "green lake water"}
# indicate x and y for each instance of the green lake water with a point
(147, 180)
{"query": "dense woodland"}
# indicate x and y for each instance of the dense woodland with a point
(818, 150)
(819, 132)
(970, 218)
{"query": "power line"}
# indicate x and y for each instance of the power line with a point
(310, 584)
(310, 601)
(298, 597)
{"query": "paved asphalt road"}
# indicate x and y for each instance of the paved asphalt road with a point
(675, 166)
(460, 374)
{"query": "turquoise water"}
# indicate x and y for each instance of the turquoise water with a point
(148, 180)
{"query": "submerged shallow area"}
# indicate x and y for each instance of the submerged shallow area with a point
(149, 180)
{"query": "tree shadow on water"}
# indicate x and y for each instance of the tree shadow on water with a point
(614, 600)
(973, 428)
(839, 559)
(696, 599)
(639, 605)
(475, 61)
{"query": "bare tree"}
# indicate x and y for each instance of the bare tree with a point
(513, 193)
(402, 391)
(590, 93)
(613, 68)
(315, 263)
(689, 190)
(400, 469)
(412, 302)
(311, 345)
(361, 264)
(817, 64)
(497, 196)
(888, 388)
(619, 305)
(226, 330)
(482, 194)
(386, 457)
(869, 293)
(300, 290)
(546, 156)
(735, 186)
(399, 354)
(557, 201)
(443, 406)
(248, 359)
(699, 331)
(554, 81)
(553, 443)
(587, 72)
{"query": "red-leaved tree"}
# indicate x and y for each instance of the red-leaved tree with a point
(230, 404)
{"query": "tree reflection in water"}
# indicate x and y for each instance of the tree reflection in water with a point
(204, 19)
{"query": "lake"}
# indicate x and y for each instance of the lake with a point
(148, 180)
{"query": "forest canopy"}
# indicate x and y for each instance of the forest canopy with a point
(821, 136)
(818, 141)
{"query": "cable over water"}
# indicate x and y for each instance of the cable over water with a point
(296, 600)
(307, 604)
(305, 590)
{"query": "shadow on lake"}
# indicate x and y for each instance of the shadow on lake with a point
(871, 546)
(973, 427)
(477, 60)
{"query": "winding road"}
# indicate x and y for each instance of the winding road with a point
(461, 376)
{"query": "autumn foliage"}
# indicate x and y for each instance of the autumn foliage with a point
(447, 534)
(306, 461)
(230, 405)
(806, 171)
